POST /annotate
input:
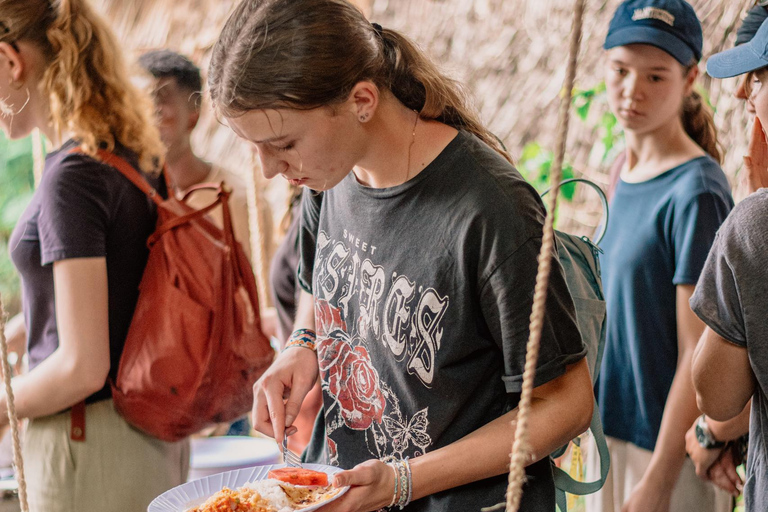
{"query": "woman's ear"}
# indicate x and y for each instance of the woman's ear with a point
(11, 62)
(363, 100)
(690, 79)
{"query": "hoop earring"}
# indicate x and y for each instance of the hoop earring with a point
(7, 109)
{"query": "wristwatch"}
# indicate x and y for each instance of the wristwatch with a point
(704, 435)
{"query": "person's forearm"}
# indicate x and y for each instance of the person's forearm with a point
(733, 428)
(305, 312)
(679, 414)
(722, 377)
(54, 385)
(80, 365)
(553, 422)
(16, 335)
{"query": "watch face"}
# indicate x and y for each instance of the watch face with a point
(705, 439)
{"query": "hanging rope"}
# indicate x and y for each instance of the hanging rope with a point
(260, 221)
(14, 423)
(521, 452)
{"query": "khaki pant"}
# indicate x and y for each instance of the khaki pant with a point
(116, 469)
(628, 464)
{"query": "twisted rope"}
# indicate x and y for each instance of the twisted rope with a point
(259, 221)
(18, 462)
(521, 452)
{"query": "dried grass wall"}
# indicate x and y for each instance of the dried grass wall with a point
(510, 53)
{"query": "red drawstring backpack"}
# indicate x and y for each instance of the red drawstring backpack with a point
(195, 346)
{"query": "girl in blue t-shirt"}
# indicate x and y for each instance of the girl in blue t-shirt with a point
(667, 206)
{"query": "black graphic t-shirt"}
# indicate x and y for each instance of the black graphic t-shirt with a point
(423, 294)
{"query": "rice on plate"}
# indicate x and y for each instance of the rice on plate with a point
(267, 496)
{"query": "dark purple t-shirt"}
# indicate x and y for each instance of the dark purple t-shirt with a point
(282, 277)
(82, 209)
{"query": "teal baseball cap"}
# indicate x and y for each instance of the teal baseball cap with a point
(671, 25)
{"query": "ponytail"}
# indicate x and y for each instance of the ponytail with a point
(420, 86)
(699, 123)
(89, 92)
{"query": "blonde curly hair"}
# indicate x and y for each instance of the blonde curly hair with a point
(85, 77)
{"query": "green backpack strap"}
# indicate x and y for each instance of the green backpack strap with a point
(564, 483)
(561, 499)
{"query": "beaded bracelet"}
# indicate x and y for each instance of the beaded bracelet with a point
(394, 496)
(302, 338)
(410, 482)
(404, 469)
(403, 481)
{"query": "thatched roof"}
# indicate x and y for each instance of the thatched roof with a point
(510, 53)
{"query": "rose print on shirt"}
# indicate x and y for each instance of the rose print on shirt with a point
(352, 380)
(333, 455)
(327, 318)
(362, 317)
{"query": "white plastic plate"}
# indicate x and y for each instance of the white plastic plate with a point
(194, 493)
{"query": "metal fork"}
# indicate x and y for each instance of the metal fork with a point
(291, 459)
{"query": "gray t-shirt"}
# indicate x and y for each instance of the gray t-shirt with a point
(732, 299)
(423, 294)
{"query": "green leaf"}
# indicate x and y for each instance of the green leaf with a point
(568, 190)
(583, 111)
(531, 150)
(16, 189)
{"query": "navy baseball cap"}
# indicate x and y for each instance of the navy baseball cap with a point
(741, 59)
(671, 25)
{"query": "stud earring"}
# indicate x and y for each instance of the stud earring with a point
(364, 117)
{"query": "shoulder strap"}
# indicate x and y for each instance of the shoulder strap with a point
(603, 200)
(132, 174)
(196, 214)
(126, 170)
(565, 483)
(210, 186)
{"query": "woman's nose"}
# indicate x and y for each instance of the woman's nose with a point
(631, 88)
(271, 166)
(741, 90)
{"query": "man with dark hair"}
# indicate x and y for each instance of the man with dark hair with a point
(177, 91)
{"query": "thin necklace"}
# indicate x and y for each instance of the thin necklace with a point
(413, 140)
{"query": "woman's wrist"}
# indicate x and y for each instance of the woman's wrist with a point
(403, 487)
(304, 338)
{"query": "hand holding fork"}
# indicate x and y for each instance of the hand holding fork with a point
(290, 458)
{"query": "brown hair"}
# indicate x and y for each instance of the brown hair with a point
(306, 54)
(294, 198)
(699, 123)
(85, 77)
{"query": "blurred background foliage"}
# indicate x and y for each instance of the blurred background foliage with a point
(16, 187)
